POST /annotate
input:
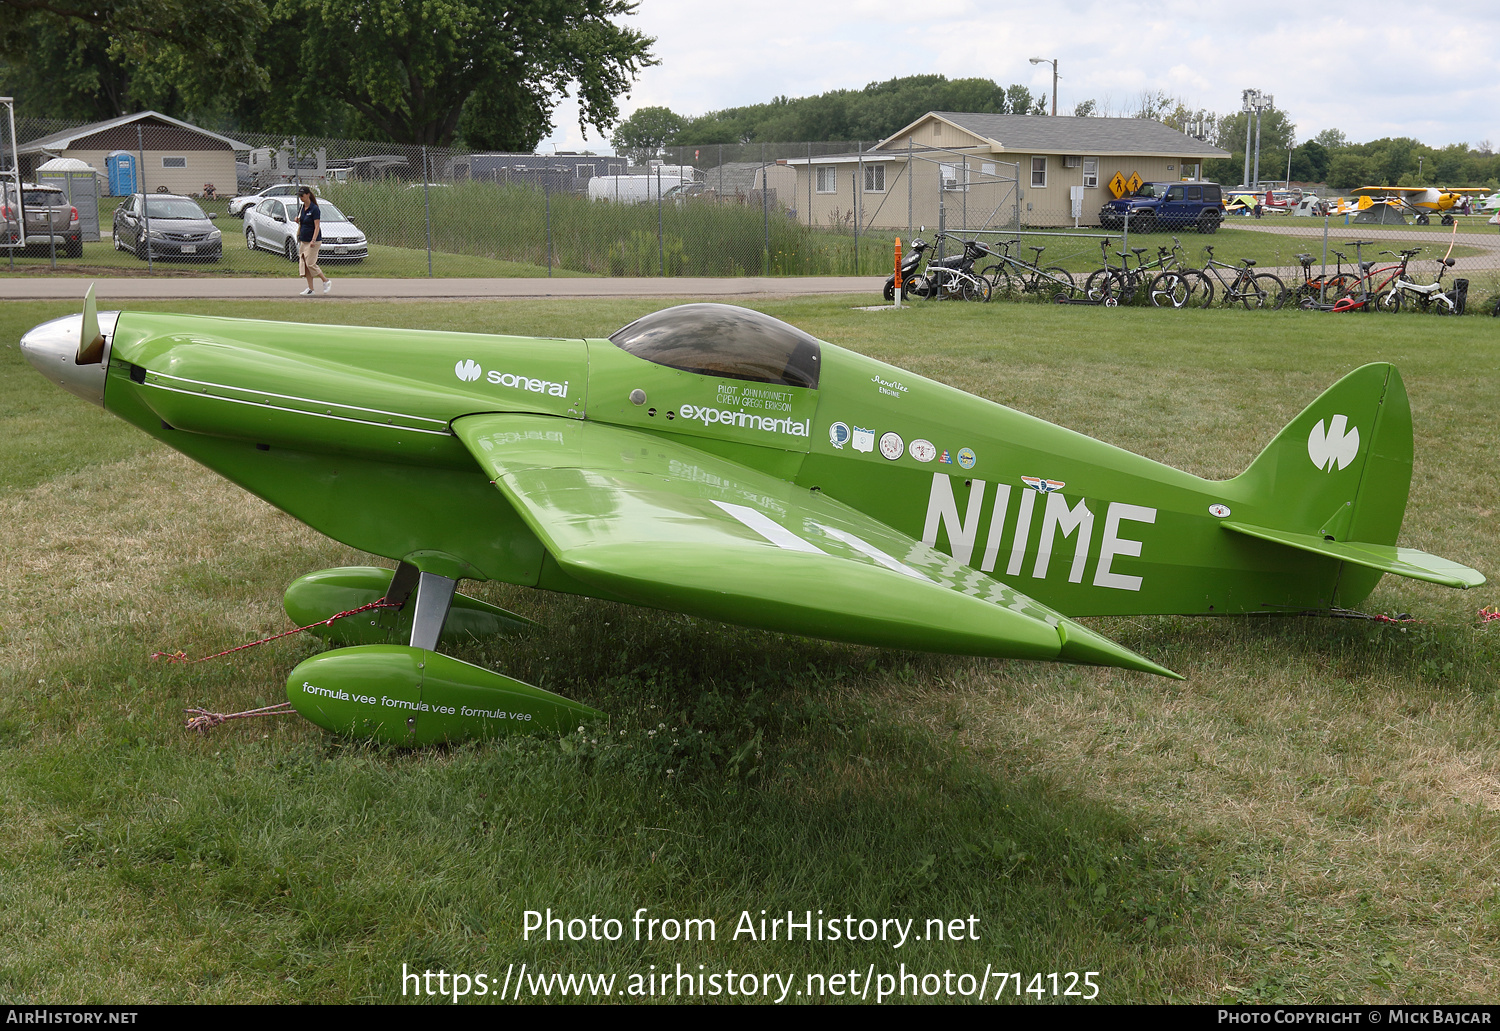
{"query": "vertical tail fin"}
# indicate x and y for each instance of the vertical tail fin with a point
(1341, 471)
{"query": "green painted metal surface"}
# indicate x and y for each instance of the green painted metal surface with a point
(836, 497)
(410, 696)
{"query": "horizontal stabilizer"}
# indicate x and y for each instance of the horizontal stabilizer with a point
(1408, 562)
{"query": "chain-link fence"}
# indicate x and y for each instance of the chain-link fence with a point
(792, 209)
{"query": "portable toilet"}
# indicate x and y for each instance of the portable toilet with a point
(121, 167)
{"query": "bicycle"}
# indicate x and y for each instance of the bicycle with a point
(1382, 298)
(1028, 277)
(952, 278)
(1248, 287)
(1322, 288)
(1428, 297)
(1125, 283)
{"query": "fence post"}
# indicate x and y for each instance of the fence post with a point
(910, 171)
(427, 204)
(661, 246)
(547, 195)
(809, 185)
(854, 210)
(140, 184)
(296, 165)
(765, 211)
(1323, 294)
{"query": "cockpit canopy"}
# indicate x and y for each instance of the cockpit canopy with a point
(723, 340)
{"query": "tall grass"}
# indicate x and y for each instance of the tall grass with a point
(519, 223)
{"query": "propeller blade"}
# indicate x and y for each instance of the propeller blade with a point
(91, 340)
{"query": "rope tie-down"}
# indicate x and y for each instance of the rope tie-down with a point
(202, 720)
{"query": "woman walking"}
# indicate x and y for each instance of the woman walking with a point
(310, 240)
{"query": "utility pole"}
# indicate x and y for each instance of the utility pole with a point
(1052, 61)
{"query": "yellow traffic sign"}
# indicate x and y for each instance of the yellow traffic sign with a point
(1134, 182)
(1117, 186)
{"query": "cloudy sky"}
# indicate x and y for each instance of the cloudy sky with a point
(1391, 69)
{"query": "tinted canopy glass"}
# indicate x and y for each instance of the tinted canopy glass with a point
(723, 340)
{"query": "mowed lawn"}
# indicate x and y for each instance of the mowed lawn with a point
(1312, 815)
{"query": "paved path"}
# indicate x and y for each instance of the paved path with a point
(148, 288)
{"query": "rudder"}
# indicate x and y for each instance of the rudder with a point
(1341, 470)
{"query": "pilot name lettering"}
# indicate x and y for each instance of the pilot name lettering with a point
(724, 417)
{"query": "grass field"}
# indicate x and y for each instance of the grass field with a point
(1312, 815)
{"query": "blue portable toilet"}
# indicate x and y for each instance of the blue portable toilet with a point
(121, 168)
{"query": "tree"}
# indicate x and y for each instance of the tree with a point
(101, 58)
(1084, 109)
(1332, 139)
(410, 68)
(646, 132)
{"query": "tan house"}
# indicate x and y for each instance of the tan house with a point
(985, 169)
(172, 153)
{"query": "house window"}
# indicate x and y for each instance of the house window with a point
(874, 178)
(828, 179)
(1091, 172)
(173, 162)
(1039, 172)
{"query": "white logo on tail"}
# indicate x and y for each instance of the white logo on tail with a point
(1334, 447)
(467, 370)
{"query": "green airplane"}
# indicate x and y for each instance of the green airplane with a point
(712, 460)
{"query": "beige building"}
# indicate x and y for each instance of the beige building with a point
(173, 154)
(985, 169)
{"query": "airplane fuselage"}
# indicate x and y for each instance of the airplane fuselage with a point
(349, 431)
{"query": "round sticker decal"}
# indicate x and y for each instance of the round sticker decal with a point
(922, 450)
(1218, 510)
(966, 458)
(891, 446)
(838, 434)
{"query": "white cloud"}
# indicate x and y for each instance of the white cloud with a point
(1391, 70)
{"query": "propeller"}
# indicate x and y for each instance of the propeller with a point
(90, 340)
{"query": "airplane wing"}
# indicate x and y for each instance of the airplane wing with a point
(660, 523)
(1373, 191)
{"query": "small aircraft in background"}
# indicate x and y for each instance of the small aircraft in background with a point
(1420, 201)
(715, 461)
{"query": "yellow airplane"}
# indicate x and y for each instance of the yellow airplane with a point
(1420, 201)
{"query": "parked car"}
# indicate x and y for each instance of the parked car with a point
(1167, 206)
(162, 225)
(50, 219)
(237, 205)
(271, 225)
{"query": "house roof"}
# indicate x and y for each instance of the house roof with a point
(1066, 134)
(66, 137)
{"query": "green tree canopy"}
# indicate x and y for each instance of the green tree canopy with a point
(409, 68)
(101, 58)
(644, 133)
(872, 113)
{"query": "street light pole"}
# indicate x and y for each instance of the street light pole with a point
(1053, 62)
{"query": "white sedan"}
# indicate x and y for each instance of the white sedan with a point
(271, 225)
(238, 205)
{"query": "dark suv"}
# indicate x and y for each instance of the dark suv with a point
(1167, 206)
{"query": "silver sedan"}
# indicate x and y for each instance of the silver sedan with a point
(271, 225)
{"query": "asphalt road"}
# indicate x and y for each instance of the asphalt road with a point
(164, 288)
